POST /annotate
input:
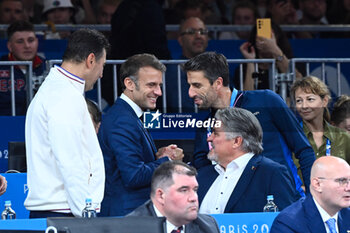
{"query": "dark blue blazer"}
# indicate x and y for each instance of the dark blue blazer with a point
(260, 178)
(129, 156)
(282, 134)
(304, 217)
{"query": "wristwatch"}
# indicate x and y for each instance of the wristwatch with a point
(280, 58)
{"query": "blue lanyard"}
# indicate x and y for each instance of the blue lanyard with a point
(328, 143)
(232, 104)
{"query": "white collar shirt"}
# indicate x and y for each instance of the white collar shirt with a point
(138, 111)
(219, 193)
(169, 226)
(325, 216)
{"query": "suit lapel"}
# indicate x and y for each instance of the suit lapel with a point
(148, 136)
(192, 228)
(243, 182)
(313, 217)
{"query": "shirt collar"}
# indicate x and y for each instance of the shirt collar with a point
(169, 225)
(78, 82)
(324, 215)
(239, 163)
(138, 111)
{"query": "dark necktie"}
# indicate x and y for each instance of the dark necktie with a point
(179, 229)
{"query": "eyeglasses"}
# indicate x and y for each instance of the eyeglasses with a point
(343, 182)
(192, 32)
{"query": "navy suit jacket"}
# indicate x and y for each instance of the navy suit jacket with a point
(304, 217)
(260, 178)
(203, 224)
(129, 156)
(282, 134)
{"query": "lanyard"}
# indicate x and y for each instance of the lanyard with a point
(328, 143)
(233, 102)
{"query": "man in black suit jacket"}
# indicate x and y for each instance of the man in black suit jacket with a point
(174, 196)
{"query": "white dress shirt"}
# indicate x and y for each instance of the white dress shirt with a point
(64, 159)
(325, 216)
(219, 193)
(132, 104)
(169, 226)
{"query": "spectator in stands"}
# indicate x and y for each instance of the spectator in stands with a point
(189, 8)
(174, 196)
(64, 159)
(11, 11)
(341, 113)
(95, 113)
(208, 75)
(193, 39)
(327, 208)
(311, 97)
(243, 13)
(23, 46)
(129, 152)
(3, 185)
(283, 12)
(277, 47)
(84, 12)
(58, 12)
(33, 10)
(249, 176)
(106, 9)
(314, 13)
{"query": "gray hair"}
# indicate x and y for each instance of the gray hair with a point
(163, 175)
(238, 122)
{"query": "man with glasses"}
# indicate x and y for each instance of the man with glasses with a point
(193, 39)
(327, 208)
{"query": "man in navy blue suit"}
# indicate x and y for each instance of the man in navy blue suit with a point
(208, 77)
(128, 149)
(326, 210)
(242, 178)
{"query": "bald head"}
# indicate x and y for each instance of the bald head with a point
(330, 187)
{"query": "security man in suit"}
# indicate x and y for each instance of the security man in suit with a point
(326, 209)
(174, 196)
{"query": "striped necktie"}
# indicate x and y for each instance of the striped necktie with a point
(331, 225)
(178, 230)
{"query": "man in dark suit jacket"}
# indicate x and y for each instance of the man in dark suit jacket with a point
(174, 196)
(329, 201)
(208, 77)
(242, 178)
(128, 149)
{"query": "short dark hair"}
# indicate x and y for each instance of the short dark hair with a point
(130, 68)
(83, 42)
(94, 111)
(341, 109)
(212, 64)
(163, 175)
(19, 26)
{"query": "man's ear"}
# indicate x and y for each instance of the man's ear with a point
(129, 84)
(218, 83)
(237, 142)
(90, 60)
(9, 47)
(316, 185)
(160, 196)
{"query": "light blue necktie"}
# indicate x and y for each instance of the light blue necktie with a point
(331, 225)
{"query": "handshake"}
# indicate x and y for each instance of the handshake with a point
(171, 151)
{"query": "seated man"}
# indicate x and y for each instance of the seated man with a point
(23, 46)
(242, 178)
(174, 196)
(326, 209)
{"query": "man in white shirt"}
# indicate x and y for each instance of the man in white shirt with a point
(242, 178)
(326, 210)
(64, 159)
(174, 196)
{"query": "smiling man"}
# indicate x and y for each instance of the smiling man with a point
(128, 149)
(64, 159)
(326, 209)
(174, 196)
(23, 46)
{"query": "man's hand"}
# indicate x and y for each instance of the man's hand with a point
(3, 185)
(171, 151)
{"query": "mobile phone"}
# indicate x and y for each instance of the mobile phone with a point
(263, 27)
